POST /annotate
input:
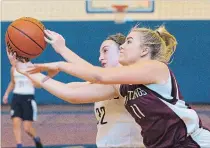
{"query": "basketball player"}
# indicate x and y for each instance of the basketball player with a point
(149, 87)
(23, 106)
(116, 128)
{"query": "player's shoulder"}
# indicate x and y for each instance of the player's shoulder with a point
(117, 88)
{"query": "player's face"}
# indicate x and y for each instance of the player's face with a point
(109, 54)
(130, 51)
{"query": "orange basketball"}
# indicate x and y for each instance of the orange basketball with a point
(25, 36)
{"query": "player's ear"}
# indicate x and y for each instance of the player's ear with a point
(144, 51)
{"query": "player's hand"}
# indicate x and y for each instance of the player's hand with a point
(20, 66)
(56, 40)
(51, 68)
(11, 57)
(5, 99)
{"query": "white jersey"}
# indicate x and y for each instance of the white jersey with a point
(116, 127)
(23, 85)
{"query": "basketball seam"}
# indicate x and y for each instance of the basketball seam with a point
(28, 37)
(34, 24)
(18, 48)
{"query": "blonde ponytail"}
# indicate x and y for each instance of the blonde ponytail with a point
(170, 42)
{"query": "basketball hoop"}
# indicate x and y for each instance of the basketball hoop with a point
(120, 11)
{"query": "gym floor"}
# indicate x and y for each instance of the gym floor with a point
(66, 126)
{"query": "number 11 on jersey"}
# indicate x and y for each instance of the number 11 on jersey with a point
(137, 111)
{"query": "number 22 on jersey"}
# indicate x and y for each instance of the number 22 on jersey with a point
(100, 113)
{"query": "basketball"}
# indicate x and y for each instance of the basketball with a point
(25, 36)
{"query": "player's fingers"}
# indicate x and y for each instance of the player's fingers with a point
(11, 57)
(55, 35)
(9, 54)
(42, 66)
(24, 60)
(7, 51)
(32, 71)
(47, 40)
(29, 64)
(32, 67)
(39, 68)
(15, 56)
(53, 32)
(48, 34)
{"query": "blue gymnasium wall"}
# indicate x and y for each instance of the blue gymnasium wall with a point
(191, 64)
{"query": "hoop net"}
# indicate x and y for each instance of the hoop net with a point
(120, 11)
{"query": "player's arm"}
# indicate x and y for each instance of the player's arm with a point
(11, 84)
(77, 84)
(87, 93)
(58, 43)
(144, 72)
(72, 57)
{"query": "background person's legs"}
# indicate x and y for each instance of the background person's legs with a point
(28, 128)
(17, 130)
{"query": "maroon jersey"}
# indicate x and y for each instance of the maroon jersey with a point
(165, 122)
